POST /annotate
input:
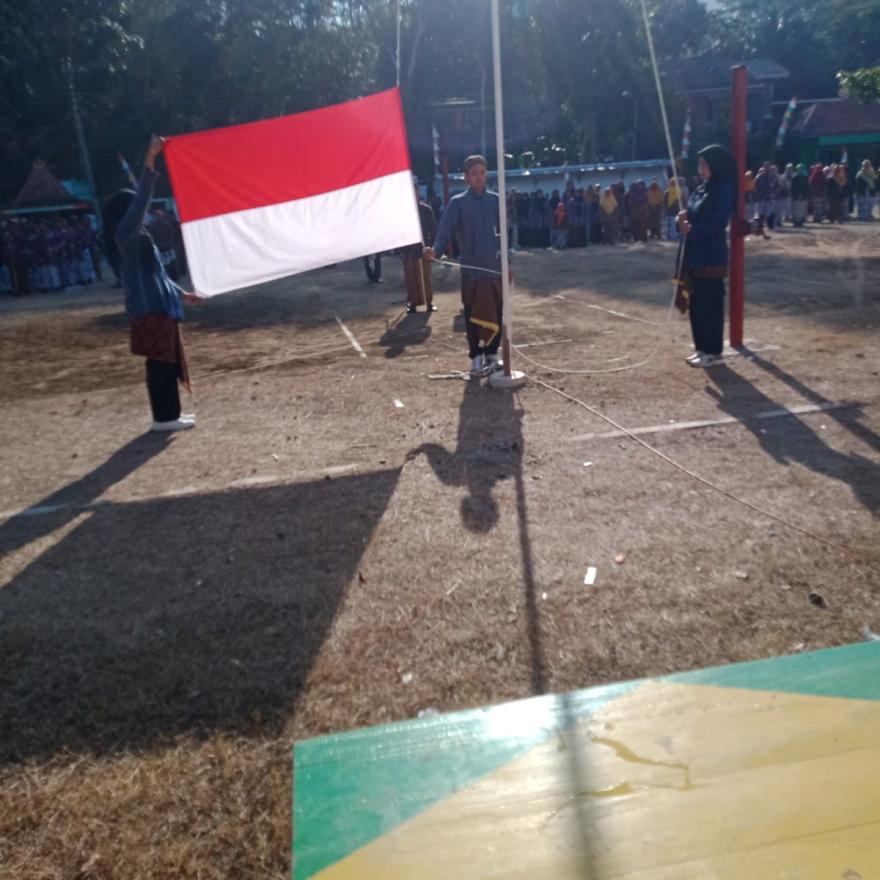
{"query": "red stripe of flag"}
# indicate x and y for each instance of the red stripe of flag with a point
(293, 157)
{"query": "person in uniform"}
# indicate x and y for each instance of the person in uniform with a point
(416, 269)
(472, 219)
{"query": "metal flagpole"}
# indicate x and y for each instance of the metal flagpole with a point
(738, 116)
(397, 59)
(508, 378)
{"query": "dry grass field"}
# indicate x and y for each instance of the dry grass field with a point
(343, 541)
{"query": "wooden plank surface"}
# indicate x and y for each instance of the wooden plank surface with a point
(768, 769)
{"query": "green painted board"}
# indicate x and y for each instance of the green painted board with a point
(352, 788)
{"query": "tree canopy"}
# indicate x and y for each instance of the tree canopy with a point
(169, 66)
(863, 84)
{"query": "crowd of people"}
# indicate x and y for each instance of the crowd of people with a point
(578, 217)
(827, 192)
(54, 252)
(39, 255)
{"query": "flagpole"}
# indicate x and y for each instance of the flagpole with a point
(397, 58)
(508, 378)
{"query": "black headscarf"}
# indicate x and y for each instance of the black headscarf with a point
(722, 165)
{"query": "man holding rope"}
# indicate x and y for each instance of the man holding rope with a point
(473, 220)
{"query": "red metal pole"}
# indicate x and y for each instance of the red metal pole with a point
(738, 107)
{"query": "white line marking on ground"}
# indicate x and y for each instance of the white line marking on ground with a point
(355, 344)
(711, 423)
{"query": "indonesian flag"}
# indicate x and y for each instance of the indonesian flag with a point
(269, 199)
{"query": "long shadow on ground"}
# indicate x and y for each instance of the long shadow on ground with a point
(791, 440)
(179, 616)
(489, 449)
(61, 507)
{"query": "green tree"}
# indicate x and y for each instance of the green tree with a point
(863, 84)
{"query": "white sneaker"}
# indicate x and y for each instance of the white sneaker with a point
(180, 424)
(693, 357)
(477, 365)
(707, 360)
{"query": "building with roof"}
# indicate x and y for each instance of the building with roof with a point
(827, 128)
(703, 86)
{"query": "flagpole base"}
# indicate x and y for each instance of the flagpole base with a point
(499, 379)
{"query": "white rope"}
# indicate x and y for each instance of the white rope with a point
(591, 372)
(660, 98)
(669, 310)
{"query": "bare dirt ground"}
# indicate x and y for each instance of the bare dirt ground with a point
(176, 612)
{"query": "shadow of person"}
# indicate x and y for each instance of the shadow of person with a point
(59, 508)
(181, 616)
(489, 449)
(790, 439)
(412, 329)
(847, 417)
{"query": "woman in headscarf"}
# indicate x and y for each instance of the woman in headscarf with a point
(596, 216)
(800, 193)
(624, 199)
(152, 299)
(655, 209)
(579, 211)
(775, 217)
(705, 259)
(835, 190)
(749, 187)
(764, 196)
(866, 190)
(638, 210)
(818, 184)
(560, 226)
(785, 193)
(610, 216)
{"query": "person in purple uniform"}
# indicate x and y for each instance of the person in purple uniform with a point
(153, 301)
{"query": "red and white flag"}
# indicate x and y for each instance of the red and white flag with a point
(269, 199)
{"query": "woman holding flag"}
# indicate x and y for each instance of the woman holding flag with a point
(152, 299)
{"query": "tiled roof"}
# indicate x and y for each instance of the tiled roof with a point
(701, 74)
(41, 190)
(845, 116)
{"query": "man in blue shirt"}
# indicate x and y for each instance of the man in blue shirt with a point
(472, 219)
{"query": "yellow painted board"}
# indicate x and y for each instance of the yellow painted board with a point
(668, 781)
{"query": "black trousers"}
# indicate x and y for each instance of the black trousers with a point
(473, 336)
(707, 315)
(373, 267)
(162, 388)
